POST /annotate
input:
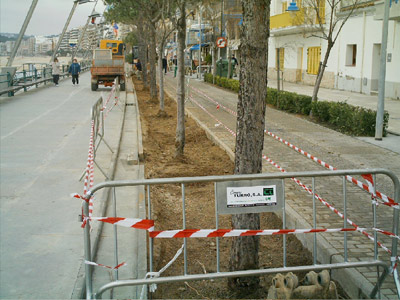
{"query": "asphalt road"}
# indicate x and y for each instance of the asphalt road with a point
(44, 144)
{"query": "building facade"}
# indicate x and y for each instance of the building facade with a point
(354, 60)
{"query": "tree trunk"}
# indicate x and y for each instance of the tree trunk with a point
(321, 73)
(180, 126)
(214, 61)
(250, 128)
(161, 76)
(152, 58)
(143, 53)
(229, 62)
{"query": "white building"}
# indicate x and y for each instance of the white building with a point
(43, 45)
(354, 61)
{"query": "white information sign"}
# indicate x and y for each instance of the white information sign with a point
(251, 196)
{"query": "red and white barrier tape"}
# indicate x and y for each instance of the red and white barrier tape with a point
(369, 188)
(153, 287)
(145, 224)
(219, 122)
(211, 233)
(298, 182)
(89, 176)
(148, 225)
(109, 97)
(104, 266)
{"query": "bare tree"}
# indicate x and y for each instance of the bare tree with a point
(180, 93)
(250, 128)
(165, 27)
(329, 21)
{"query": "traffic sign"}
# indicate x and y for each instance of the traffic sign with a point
(73, 42)
(222, 42)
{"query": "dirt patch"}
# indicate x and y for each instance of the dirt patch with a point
(202, 158)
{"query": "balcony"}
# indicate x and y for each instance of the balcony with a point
(295, 22)
(287, 20)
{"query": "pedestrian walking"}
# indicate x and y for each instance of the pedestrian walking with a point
(75, 70)
(175, 62)
(234, 60)
(164, 65)
(138, 65)
(55, 71)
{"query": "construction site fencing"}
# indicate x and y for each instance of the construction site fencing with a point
(251, 193)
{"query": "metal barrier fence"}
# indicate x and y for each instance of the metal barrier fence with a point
(272, 187)
(98, 115)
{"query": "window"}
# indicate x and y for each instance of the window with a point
(281, 52)
(284, 7)
(313, 59)
(321, 10)
(351, 55)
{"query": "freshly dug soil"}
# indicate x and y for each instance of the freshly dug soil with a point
(201, 158)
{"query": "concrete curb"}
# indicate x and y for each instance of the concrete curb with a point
(79, 290)
(139, 128)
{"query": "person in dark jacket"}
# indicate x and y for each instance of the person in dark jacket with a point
(138, 65)
(175, 62)
(164, 65)
(74, 70)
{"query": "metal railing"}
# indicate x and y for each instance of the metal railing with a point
(98, 116)
(252, 180)
(33, 76)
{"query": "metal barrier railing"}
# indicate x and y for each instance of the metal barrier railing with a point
(274, 184)
(34, 76)
(98, 115)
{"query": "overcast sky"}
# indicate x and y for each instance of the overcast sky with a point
(48, 18)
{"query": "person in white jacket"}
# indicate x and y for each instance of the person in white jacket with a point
(55, 71)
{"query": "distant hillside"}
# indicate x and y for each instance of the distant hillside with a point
(4, 37)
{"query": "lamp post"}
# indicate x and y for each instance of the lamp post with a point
(382, 75)
(200, 41)
(84, 29)
(64, 30)
(22, 32)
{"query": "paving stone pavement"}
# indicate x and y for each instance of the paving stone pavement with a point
(340, 151)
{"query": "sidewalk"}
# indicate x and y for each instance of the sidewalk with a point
(341, 151)
(356, 99)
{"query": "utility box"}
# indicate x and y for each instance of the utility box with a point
(222, 68)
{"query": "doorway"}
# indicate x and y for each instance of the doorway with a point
(299, 70)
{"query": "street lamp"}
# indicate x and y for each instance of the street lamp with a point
(382, 74)
(85, 28)
(76, 2)
(292, 7)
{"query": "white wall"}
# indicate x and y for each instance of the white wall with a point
(361, 30)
